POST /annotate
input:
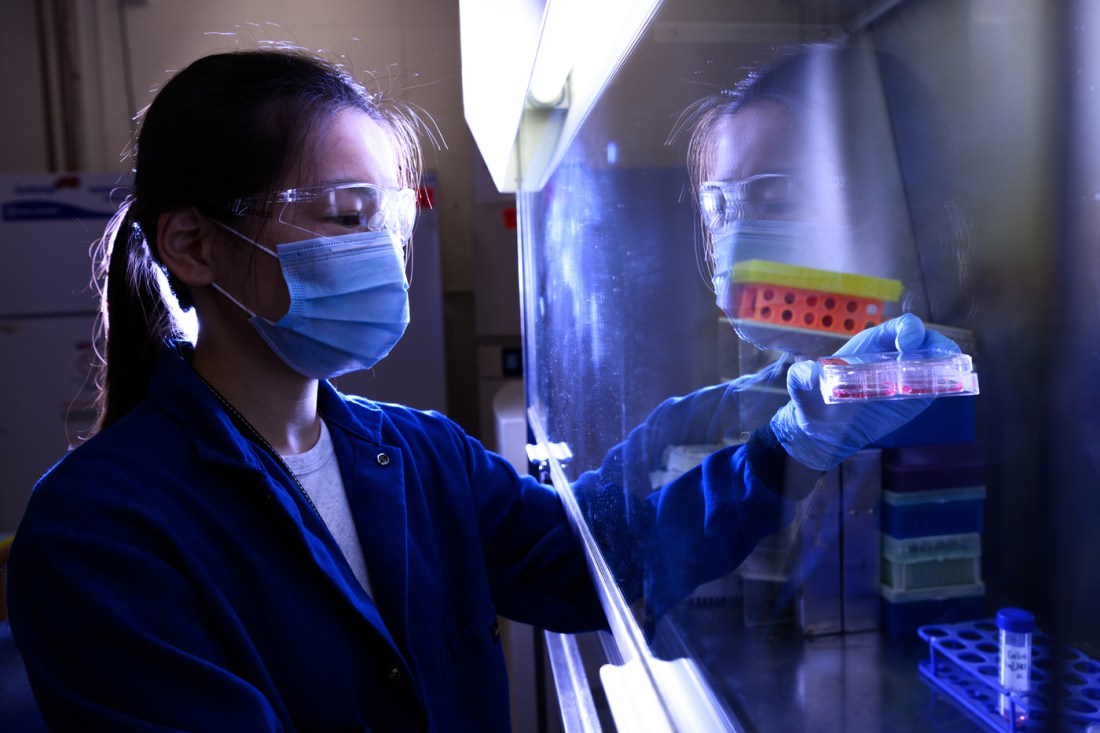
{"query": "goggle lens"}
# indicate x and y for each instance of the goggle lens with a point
(339, 209)
(763, 196)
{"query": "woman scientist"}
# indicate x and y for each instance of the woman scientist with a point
(240, 546)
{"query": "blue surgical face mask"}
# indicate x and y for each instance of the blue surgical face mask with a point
(786, 242)
(349, 302)
(801, 243)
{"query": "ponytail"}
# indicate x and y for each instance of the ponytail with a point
(135, 317)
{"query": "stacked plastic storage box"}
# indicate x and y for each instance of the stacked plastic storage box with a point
(932, 516)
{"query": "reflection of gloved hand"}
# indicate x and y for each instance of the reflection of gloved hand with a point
(820, 436)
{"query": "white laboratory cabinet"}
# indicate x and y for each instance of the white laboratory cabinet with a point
(48, 224)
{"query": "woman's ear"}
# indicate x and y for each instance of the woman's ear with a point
(184, 246)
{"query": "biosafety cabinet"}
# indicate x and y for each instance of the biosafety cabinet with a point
(711, 190)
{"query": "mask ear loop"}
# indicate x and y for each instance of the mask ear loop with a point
(255, 244)
(232, 300)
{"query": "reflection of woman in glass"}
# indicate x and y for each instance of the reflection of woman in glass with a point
(830, 159)
(804, 170)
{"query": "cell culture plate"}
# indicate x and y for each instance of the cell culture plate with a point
(894, 375)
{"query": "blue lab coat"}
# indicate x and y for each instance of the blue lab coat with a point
(169, 575)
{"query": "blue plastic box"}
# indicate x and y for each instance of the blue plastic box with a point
(924, 513)
(903, 612)
(947, 420)
(924, 467)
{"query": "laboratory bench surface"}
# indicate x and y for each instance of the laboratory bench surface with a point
(773, 678)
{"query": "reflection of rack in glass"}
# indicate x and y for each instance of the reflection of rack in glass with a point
(963, 662)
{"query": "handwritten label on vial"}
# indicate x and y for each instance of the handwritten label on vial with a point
(1016, 667)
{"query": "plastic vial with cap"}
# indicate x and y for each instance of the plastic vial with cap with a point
(1016, 627)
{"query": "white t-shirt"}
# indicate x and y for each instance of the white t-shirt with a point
(319, 473)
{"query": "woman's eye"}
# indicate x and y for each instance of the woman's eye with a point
(780, 207)
(352, 220)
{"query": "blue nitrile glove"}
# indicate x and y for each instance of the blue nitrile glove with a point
(820, 436)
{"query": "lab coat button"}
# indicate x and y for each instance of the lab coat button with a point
(383, 459)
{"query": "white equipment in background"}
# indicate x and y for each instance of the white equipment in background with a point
(48, 223)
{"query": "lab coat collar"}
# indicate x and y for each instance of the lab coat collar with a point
(366, 423)
(178, 390)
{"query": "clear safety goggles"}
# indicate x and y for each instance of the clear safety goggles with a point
(763, 196)
(337, 209)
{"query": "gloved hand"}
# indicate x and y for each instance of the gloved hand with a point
(820, 436)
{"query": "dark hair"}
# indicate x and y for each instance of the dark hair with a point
(228, 126)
